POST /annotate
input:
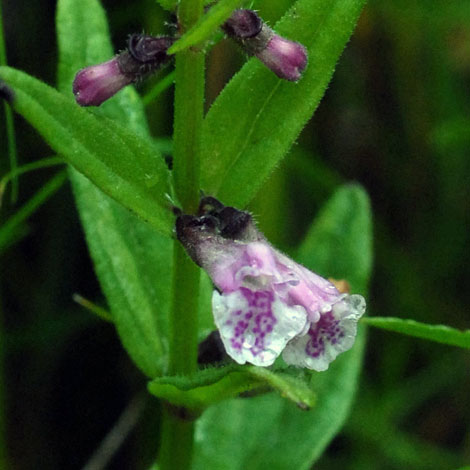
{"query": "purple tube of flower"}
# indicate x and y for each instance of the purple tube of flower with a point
(265, 303)
(287, 59)
(97, 83)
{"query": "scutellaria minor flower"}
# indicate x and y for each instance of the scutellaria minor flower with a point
(264, 303)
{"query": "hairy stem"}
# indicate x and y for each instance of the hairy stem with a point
(189, 101)
(177, 432)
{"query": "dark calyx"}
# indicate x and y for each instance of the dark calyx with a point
(144, 54)
(243, 24)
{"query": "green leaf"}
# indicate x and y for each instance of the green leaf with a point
(291, 385)
(169, 5)
(257, 117)
(439, 333)
(344, 226)
(132, 261)
(204, 388)
(209, 386)
(206, 26)
(267, 432)
(118, 161)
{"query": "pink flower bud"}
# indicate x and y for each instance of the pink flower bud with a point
(145, 54)
(287, 59)
(95, 84)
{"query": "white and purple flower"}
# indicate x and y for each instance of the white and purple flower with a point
(265, 304)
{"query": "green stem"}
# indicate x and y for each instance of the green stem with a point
(11, 139)
(183, 341)
(189, 105)
(177, 432)
(177, 442)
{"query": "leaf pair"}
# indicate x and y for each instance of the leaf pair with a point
(212, 385)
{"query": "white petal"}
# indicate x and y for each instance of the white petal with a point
(255, 326)
(333, 334)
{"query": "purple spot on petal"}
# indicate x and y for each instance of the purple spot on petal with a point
(326, 329)
(259, 321)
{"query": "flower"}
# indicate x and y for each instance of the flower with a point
(145, 54)
(266, 304)
(287, 59)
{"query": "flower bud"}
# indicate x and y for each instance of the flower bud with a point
(287, 59)
(145, 54)
(95, 84)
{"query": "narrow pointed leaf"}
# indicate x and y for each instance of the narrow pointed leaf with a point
(169, 5)
(270, 112)
(438, 333)
(206, 26)
(132, 261)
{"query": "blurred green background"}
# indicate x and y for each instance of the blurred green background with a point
(396, 118)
